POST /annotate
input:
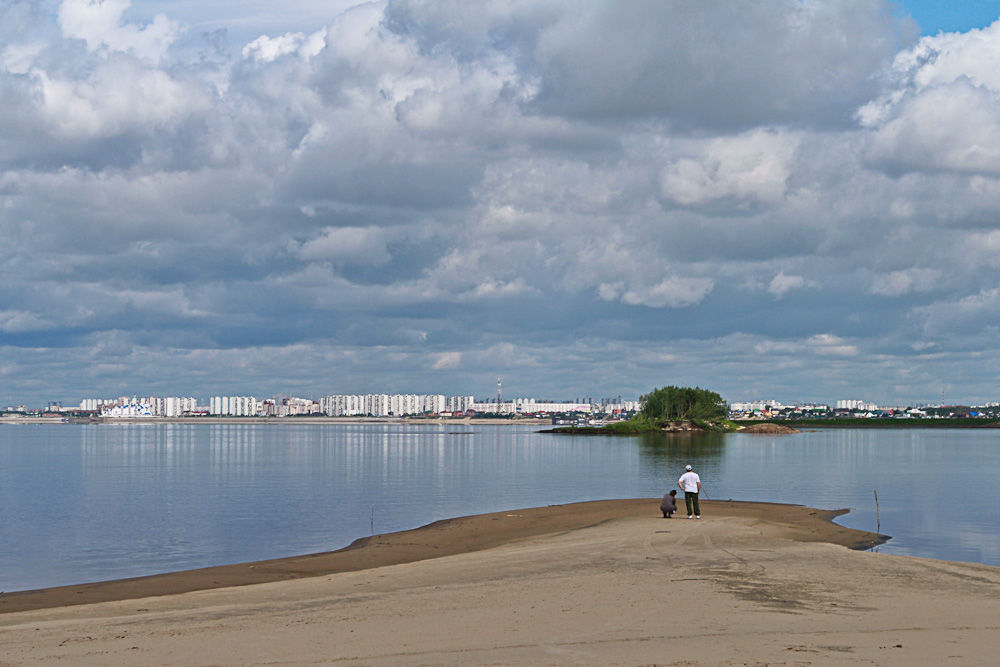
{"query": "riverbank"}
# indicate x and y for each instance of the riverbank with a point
(590, 583)
(877, 423)
(281, 421)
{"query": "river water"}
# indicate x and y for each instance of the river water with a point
(94, 502)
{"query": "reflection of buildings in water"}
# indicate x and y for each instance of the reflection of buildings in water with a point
(140, 443)
(232, 446)
(125, 447)
(351, 455)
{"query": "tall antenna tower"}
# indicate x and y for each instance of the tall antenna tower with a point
(498, 395)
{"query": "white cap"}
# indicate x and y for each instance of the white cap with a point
(688, 468)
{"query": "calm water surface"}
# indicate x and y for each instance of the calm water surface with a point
(94, 502)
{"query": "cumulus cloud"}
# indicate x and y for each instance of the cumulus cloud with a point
(499, 288)
(466, 189)
(973, 313)
(781, 284)
(99, 24)
(669, 292)
(897, 283)
(823, 344)
(19, 321)
(18, 58)
(347, 244)
(950, 128)
(689, 63)
(268, 49)
(940, 112)
(120, 96)
(751, 167)
(447, 360)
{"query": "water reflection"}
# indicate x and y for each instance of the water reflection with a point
(82, 503)
(670, 451)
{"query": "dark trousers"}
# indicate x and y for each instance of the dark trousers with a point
(691, 499)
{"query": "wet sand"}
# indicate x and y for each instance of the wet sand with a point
(607, 582)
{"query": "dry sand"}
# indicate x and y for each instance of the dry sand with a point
(608, 582)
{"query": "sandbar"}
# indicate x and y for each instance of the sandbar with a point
(605, 582)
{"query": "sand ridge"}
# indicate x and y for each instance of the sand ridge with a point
(595, 583)
(441, 538)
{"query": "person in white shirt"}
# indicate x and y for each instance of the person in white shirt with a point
(690, 484)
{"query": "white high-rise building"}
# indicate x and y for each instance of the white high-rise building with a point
(383, 405)
(235, 406)
(435, 403)
(855, 404)
(460, 403)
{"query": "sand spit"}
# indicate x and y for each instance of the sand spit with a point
(608, 582)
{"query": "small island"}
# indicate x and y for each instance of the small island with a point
(667, 410)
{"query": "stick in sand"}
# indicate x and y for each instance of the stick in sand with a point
(878, 520)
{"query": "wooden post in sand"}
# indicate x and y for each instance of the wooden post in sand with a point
(878, 521)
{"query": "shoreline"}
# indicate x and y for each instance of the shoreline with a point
(447, 537)
(876, 424)
(281, 421)
(599, 583)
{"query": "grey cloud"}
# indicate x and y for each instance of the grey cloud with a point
(707, 65)
(699, 66)
(587, 198)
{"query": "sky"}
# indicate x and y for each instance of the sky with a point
(789, 200)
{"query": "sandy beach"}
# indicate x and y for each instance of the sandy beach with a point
(607, 582)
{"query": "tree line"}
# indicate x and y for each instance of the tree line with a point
(682, 404)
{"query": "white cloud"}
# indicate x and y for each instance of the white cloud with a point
(754, 166)
(941, 109)
(671, 292)
(949, 57)
(957, 316)
(491, 289)
(99, 23)
(829, 344)
(119, 96)
(824, 345)
(954, 127)
(358, 245)
(898, 283)
(268, 49)
(781, 284)
(446, 360)
(20, 321)
(19, 58)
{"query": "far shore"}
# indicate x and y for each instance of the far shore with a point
(800, 424)
(283, 421)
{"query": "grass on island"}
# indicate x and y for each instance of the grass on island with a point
(642, 424)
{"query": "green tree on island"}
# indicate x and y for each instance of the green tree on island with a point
(703, 408)
(682, 404)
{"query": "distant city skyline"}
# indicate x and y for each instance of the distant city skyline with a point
(461, 402)
(762, 198)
